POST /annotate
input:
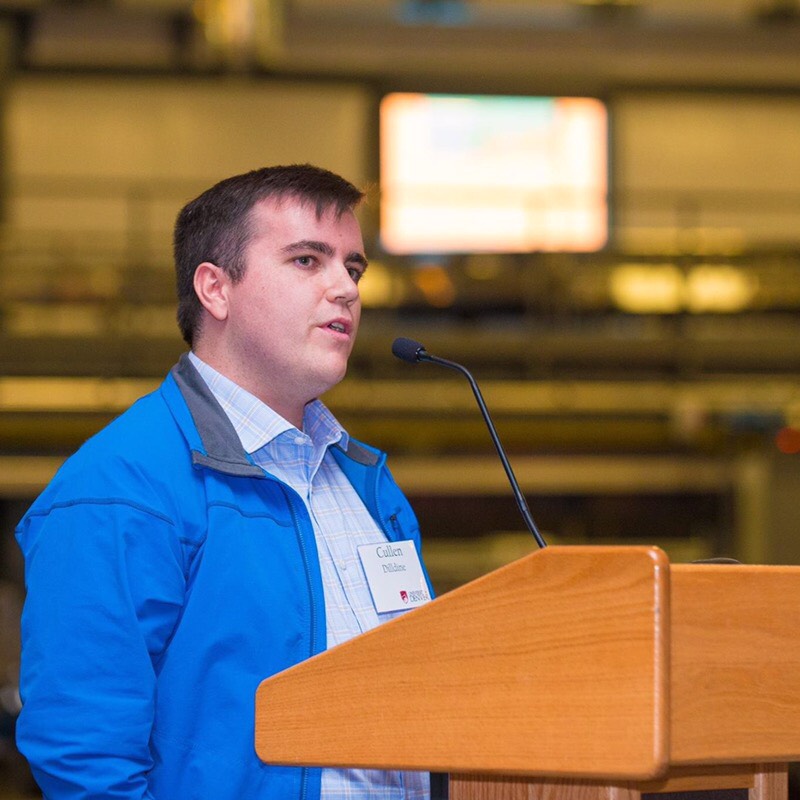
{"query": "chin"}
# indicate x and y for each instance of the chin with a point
(331, 379)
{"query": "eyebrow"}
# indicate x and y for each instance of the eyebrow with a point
(325, 249)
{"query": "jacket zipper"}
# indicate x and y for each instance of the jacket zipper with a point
(391, 531)
(395, 527)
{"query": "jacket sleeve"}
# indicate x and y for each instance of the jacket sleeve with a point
(105, 586)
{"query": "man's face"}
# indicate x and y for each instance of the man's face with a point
(293, 318)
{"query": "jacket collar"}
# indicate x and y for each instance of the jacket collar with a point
(220, 447)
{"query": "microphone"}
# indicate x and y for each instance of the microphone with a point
(414, 352)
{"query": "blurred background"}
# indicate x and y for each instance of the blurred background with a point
(593, 205)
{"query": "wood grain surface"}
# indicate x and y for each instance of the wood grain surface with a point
(554, 665)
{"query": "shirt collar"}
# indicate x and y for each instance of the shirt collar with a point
(256, 424)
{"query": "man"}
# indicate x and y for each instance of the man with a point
(209, 536)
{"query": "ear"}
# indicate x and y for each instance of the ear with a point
(210, 286)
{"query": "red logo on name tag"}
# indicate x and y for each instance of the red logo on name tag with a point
(404, 595)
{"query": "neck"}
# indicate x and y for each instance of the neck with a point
(292, 411)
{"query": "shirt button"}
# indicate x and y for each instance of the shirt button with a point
(299, 440)
(343, 566)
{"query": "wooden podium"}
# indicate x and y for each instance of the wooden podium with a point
(574, 673)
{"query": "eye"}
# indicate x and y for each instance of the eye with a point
(356, 273)
(305, 261)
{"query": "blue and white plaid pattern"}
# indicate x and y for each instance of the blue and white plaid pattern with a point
(341, 523)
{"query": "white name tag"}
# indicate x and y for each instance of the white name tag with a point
(394, 575)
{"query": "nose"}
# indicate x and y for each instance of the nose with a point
(342, 288)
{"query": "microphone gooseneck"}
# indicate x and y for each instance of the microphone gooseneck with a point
(415, 352)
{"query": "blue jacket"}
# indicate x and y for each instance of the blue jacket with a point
(167, 575)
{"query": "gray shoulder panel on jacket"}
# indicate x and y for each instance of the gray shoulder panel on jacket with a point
(361, 454)
(223, 450)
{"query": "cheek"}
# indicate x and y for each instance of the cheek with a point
(263, 324)
(271, 307)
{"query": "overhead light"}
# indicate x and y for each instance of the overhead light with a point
(240, 32)
(434, 282)
(668, 289)
(647, 288)
(719, 288)
(381, 288)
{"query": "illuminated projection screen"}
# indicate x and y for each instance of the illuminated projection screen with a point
(471, 173)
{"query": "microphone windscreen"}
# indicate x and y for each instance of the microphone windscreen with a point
(407, 349)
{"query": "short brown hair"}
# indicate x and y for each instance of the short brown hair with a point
(215, 227)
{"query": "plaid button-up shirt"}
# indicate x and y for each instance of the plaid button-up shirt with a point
(341, 523)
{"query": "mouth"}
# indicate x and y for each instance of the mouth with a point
(339, 326)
